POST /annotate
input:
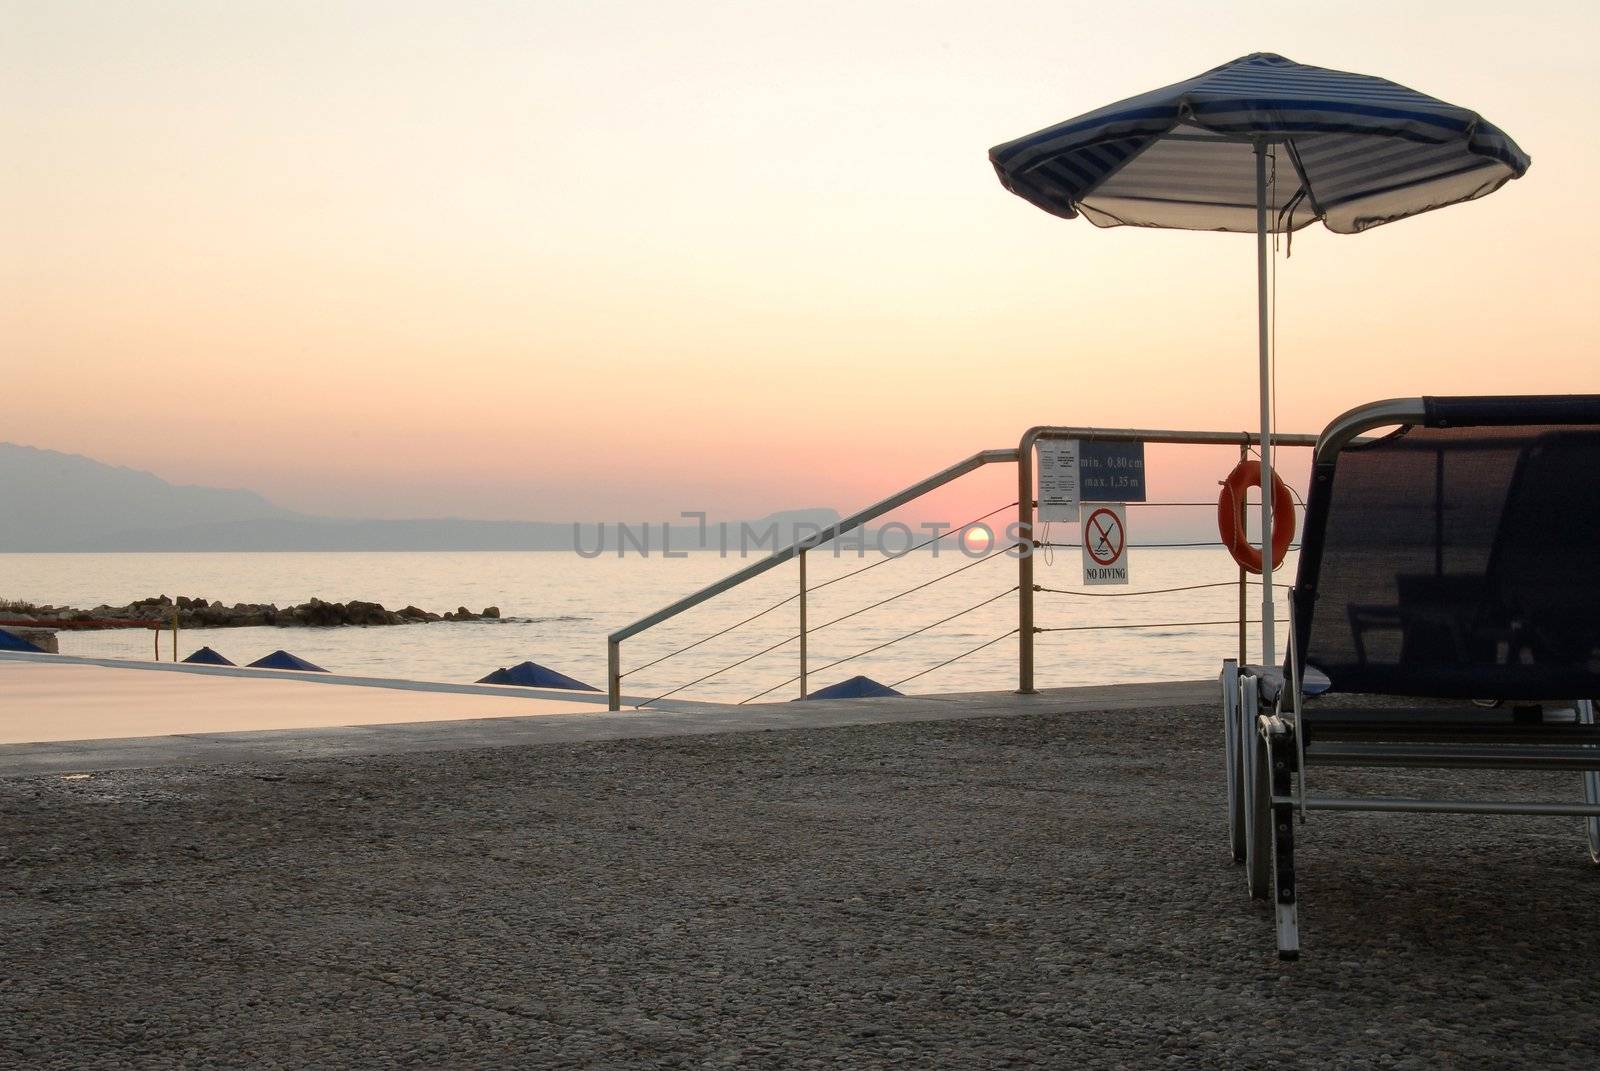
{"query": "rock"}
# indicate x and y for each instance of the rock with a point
(196, 612)
(369, 613)
(320, 614)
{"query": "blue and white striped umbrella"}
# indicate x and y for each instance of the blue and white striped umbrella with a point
(1267, 145)
(1352, 150)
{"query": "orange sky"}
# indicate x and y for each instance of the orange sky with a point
(554, 260)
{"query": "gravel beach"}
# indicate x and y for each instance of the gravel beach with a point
(1032, 891)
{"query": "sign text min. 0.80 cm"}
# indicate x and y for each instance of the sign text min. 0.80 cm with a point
(1072, 471)
(1111, 472)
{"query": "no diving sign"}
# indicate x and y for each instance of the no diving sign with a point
(1105, 543)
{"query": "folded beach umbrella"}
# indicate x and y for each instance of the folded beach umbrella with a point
(1267, 145)
(854, 688)
(533, 675)
(285, 660)
(205, 656)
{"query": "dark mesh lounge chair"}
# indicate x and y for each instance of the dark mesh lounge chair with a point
(1455, 561)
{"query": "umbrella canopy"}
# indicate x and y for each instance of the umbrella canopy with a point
(1262, 144)
(1357, 151)
(854, 688)
(533, 675)
(285, 660)
(205, 656)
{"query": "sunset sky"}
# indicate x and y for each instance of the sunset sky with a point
(549, 260)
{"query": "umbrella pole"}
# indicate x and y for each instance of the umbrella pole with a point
(1268, 646)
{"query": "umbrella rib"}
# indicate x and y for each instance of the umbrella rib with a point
(1305, 179)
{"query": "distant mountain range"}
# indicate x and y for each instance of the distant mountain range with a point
(50, 501)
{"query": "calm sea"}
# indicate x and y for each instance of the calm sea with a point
(561, 606)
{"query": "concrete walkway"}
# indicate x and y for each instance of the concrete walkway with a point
(1028, 892)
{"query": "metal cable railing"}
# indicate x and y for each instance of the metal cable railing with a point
(1001, 552)
(1240, 585)
(818, 587)
(1155, 546)
(813, 630)
(1142, 624)
(912, 590)
(1134, 594)
(910, 550)
(971, 651)
(887, 643)
(715, 635)
(1022, 544)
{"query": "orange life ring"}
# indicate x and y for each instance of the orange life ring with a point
(1230, 516)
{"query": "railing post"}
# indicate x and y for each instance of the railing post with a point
(613, 674)
(1025, 565)
(802, 556)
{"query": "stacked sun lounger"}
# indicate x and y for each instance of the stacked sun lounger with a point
(1449, 579)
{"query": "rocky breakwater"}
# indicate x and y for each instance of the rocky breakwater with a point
(158, 610)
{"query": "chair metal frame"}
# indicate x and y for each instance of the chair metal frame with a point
(1265, 736)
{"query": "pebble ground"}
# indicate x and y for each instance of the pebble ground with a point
(1026, 892)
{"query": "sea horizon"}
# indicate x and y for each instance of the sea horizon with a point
(557, 609)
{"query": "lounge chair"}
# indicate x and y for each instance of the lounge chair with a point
(1454, 563)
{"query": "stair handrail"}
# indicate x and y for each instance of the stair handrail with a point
(778, 557)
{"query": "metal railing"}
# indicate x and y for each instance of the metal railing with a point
(1022, 456)
(778, 557)
(1025, 510)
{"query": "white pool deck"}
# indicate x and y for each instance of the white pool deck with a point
(64, 698)
(60, 714)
